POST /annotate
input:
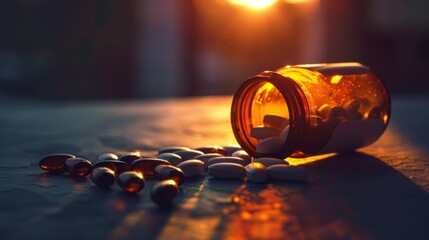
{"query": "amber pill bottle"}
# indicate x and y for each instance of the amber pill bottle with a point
(312, 109)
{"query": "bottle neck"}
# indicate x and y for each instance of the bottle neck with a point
(296, 104)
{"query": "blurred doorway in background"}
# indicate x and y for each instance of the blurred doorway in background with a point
(172, 48)
(209, 47)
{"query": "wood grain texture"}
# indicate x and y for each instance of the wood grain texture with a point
(378, 192)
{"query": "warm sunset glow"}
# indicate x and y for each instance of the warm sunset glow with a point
(259, 4)
(298, 1)
(385, 118)
(306, 160)
(336, 79)
(254, 3)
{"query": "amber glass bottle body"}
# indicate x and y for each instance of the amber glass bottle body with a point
(306, 110)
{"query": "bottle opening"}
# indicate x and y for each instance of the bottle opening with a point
(270, 120)
(266, 116)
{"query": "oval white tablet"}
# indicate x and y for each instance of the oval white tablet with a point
(172, 149)
(274, 121)
(206, 157)
(230, 149)
(256, 172)
(261, 132)
(226, 160)
(227, 170)
(192, 167)
(173, 158)
(108, 156)
(243, 155)
(188, 154)
(286, 172)
(269, 145)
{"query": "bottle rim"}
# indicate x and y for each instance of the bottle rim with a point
(297, 105)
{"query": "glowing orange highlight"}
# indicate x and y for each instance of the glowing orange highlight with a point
(257, 4)
(336, 79)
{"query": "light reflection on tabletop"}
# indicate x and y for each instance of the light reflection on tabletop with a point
(378, 192)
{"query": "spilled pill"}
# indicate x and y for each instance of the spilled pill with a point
(269, 145)
(163, 193)
(256, 172)
(236, 160)
(116, 166)
(188, 154)
(172, 149)
(131, 181)
(227, 170)
(192, 168)
(243, 155)
(54, 162)
(146, 166)
(103, 177)
(212, 149)
(230, 149)
(287, 173)
(77, 167)
(206, 157)
(130, 157)
(164, 172)
(173, 158)
(107, 156)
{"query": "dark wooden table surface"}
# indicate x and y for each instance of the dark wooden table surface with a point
(378, 192)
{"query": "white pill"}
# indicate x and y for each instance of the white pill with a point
(188, 154)
(274, 121)
(206, 157)
(269, 145)
(173, 158)
(256, 172)
(212, 149)
(192, 167)
(269, 161)
(243, 155)
(226, 160)
(261, 132)
(107, 156)
(284, 133)
(285, 124)
(230, 149)
(286, 172)
(227, 170)
(172, 149)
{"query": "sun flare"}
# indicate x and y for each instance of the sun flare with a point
(257, 4)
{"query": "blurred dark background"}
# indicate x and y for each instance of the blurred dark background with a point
(107, 49)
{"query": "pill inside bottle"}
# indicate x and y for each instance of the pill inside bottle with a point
(312, 109)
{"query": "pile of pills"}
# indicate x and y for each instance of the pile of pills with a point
(349, 110)
(172, 166)
(272, 134)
